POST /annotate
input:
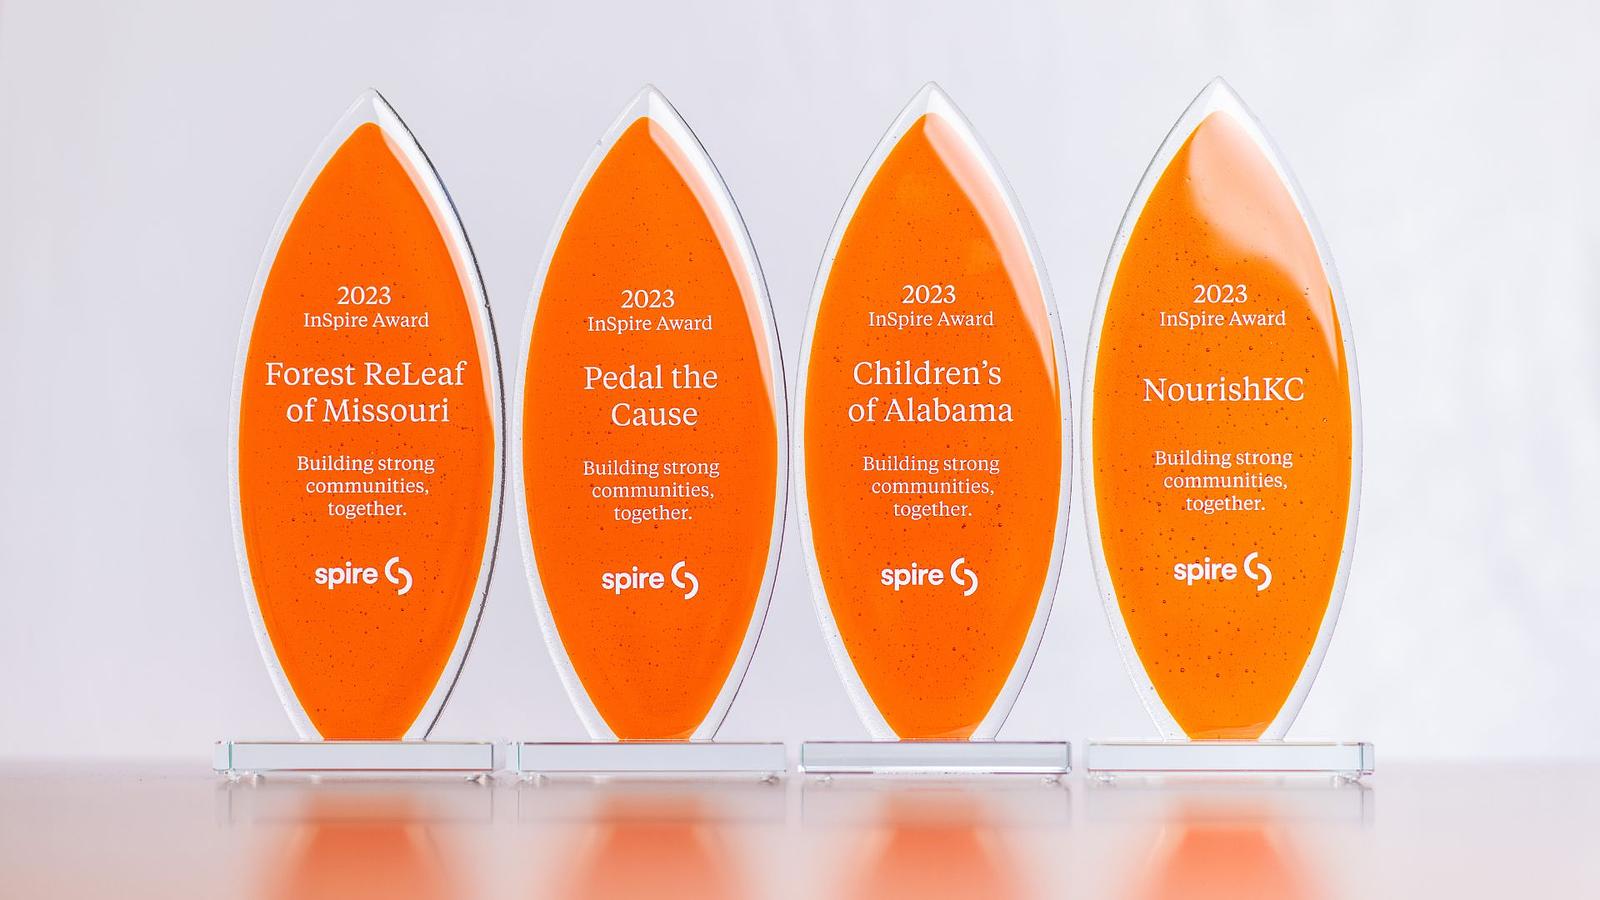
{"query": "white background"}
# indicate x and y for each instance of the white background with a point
(1448, 148)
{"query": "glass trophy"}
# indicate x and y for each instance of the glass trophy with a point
(366, 459)
(650, 457)
(932, 455)
(1222, 464)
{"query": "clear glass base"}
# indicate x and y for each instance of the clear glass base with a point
(648, 758)
(935, 757)
(1351, 759)
(465, 758)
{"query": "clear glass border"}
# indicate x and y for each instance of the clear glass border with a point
(1216, 97)
(650, 103)
(932, 100)
(372, 108)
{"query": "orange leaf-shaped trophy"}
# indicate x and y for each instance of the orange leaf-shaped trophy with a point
(367, 455)
(650, 454)
(932, 453)
(1222, 458)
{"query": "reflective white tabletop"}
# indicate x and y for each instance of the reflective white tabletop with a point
(1410, 831)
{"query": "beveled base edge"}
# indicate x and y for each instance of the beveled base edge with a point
(1349, 759)
(649, 758)
(1049, 758)
(465, 758)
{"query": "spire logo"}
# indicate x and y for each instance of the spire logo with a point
(958, 574)
(634, 579)
(332, 577)
(1207, 570)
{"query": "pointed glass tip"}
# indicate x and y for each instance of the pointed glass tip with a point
(930, 98)
(649, 102)
(369, 106)
(1217, 96)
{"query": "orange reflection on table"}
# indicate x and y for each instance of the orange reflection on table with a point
(932, 846)
(362, 846)
(663, 847)
(1202, 856)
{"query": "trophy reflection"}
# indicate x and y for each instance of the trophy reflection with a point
(651, 841)
(359, 843)
(1239, 861)
(1242, 846)
(930, 847)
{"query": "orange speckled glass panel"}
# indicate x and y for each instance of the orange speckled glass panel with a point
(366, 447)
(1222, 436)
(650, 441)
(933, 450)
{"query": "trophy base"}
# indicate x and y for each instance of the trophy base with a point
(1048, 758)
(660, 759)
(1350, 760)
(467, 759)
